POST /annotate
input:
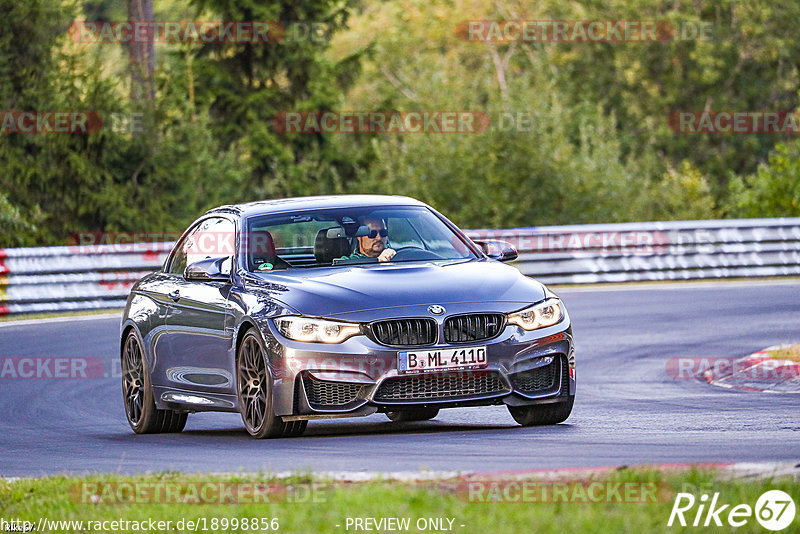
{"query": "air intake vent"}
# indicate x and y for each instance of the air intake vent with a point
(472, 327)
(323, 393)
(440, 386)
(405, 332)
(564, 377)
(545, 379)
(537, 380)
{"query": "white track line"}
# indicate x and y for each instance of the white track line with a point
(670, 285)
(68, 318)
(737, 470)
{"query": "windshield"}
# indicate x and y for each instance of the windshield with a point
(348, 236)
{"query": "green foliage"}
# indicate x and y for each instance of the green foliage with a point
(682, 194)
(245, 85)
(52, 174)
(13, 224)
(773, 190)
(547, 171)
(548, 158)
(641, 501)
(589, 140)
(601, 149)
(55, 185)
(748, 60)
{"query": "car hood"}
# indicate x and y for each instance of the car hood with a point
(327, 292)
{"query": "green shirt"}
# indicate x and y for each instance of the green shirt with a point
(354, 256)
(358, 254)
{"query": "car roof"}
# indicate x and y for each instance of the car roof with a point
(261, 207)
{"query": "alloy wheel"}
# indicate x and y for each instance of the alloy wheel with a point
(133, 380)
(252, 381)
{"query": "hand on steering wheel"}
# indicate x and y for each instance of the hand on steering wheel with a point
(387, 255)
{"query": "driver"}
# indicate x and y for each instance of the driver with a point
(373, 245)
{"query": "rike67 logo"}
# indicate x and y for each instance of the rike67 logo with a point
(774, 510)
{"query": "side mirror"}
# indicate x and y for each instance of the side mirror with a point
(209, 269)
(498, 250)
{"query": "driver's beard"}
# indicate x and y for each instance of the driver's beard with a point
(375, 250)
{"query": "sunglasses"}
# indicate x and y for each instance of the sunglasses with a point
(383, 232)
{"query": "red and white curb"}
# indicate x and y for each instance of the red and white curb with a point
(758, 372)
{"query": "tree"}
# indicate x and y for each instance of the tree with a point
(142, 55)
(58, 184)
(773, 190)
(246, 84)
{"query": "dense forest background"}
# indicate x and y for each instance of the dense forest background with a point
(597, 147)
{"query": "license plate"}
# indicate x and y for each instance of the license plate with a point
(439, 359)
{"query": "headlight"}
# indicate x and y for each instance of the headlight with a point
(541, 315)
(316, 330)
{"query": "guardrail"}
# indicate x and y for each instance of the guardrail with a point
(651, 251)
(47, 279)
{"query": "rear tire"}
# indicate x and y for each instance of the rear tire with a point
(137, 394)
(254, 388)
(416, 414)
(542, 414)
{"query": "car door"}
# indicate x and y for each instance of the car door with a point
(149, 307)
(196, 333)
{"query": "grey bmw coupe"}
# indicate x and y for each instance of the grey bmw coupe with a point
(291, 310)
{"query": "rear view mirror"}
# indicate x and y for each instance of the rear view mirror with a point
(335, 233)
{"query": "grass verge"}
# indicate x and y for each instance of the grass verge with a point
(305, 504)
(791, 352)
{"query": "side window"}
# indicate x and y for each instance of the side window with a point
(211, 238)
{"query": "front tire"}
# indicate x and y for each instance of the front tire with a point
(254, 387)
(137, 394)
(416, 414)
(542, 414)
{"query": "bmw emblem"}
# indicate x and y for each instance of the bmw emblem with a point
(436, 309)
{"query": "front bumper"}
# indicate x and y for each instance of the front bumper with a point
(360, 376)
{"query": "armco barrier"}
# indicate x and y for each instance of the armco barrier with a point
(83, 278)
(675, 250)
(44, 279)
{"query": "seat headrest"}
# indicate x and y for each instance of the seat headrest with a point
(261, 248)
(326, 249)
(261, 243)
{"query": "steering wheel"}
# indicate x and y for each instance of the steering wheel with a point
(414, 253)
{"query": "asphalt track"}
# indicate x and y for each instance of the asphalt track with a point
(628, 410)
